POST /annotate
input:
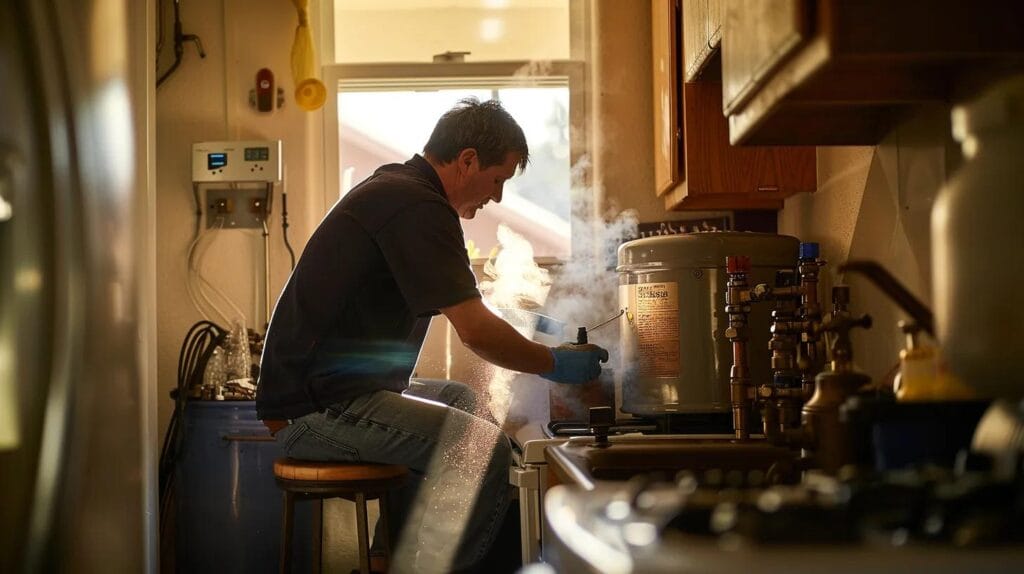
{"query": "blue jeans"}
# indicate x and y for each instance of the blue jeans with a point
(446, 517)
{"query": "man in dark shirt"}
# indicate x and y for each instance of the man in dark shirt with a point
(347, 330)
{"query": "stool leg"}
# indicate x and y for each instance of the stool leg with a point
(364, 536)
(385, 542)
(285, 566)
(318, 535)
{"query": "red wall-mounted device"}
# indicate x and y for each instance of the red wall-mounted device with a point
(265, 92)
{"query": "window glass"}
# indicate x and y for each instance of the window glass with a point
(415, 30)
(385, 126)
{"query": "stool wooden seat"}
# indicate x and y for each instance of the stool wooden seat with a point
(355, 481)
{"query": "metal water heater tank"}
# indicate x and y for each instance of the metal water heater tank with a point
(675, 356)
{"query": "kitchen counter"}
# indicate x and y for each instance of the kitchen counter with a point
(709, 457)
(600, 530)
(680, 504)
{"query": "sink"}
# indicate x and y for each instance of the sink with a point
(582, 462)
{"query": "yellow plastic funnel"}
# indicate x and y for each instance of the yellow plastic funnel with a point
(310, 92)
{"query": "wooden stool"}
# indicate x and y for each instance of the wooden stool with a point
(358, 482)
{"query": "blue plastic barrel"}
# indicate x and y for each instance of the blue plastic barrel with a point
(228, 505)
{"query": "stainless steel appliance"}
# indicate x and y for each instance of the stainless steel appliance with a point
(675, 355)
(529, 472)
(75, 490)
(913, 521)
(529, 476)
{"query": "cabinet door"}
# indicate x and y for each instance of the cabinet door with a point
(696, 48)
(668, 164)
(722, 176)
(759, 36)
(702, 34)
(716, 11)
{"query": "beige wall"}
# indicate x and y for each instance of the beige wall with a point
(207, 99)
(622, 104)
(875, 203)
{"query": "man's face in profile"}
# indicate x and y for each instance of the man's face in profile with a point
(480, 186)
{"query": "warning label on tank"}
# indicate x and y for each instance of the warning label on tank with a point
(656, 319)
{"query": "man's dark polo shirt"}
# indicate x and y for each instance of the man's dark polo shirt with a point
(355, 310)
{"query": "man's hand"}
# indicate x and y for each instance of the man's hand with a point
(576, 364)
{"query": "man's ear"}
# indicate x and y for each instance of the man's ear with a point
(466, 158)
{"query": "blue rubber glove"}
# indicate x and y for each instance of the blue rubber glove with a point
(576, 364)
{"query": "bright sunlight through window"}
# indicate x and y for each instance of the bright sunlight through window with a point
(379, 127)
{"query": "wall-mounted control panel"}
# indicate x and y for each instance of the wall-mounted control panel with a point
(236, 161)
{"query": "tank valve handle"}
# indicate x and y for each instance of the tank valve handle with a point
(581, 332)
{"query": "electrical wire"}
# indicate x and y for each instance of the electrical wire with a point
(196, 349)
(284, 227)
(284, 218)
(179, 44)
(160, 29)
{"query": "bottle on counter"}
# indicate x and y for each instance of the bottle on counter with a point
(922, 375)
(978, 261)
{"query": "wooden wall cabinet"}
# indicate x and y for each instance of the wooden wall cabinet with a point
(666, 19)
(702, 34)
(696, 168)
(835, 72)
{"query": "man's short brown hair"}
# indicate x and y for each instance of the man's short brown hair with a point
(483, 126)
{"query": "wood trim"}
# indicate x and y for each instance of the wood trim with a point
(721, 201)
(665, 53)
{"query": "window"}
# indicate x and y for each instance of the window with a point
(377, 31)
(384, 111)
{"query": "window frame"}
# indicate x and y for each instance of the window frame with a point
(387, 74)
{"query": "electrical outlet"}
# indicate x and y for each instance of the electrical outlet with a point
(235, 208)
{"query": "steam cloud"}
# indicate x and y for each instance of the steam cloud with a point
(582, 291)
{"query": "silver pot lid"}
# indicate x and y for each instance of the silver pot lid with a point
(707, 249)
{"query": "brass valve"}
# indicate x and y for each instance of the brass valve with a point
(842, 348)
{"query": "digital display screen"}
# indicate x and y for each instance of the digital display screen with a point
(216, 160)
(257, 153)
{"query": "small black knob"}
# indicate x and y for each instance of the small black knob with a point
(601, 421)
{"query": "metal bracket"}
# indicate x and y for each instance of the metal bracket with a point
(524, 477)
(236, 208)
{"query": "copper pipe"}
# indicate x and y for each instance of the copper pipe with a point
(737, 307)
(810, 316)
